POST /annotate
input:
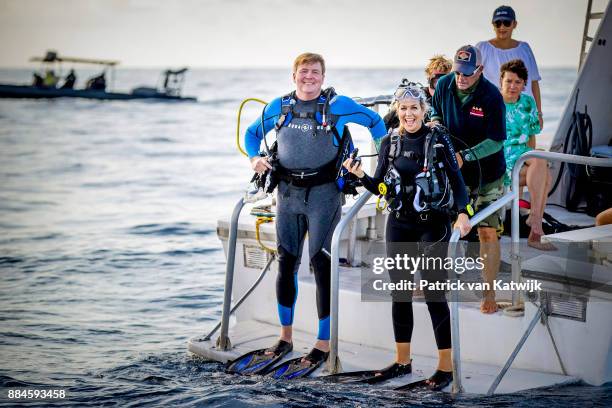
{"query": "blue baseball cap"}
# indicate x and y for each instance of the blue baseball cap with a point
(504, 13)
(467, 59)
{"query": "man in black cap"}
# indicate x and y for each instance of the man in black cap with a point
(473, 110)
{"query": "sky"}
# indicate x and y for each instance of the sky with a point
(270, 33)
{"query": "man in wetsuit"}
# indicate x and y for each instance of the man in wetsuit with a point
(473, 110)
(310, 125)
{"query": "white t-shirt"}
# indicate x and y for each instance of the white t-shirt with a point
(493, 58)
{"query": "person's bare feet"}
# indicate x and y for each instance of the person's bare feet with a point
(488, 305)
(535, 236)
(535, 241)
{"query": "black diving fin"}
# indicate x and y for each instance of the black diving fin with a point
(257, 361)
(440, 379)
(372, 376)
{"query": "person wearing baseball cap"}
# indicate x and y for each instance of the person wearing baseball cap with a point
(473, 110)
(503, 48)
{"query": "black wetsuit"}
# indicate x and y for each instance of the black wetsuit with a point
(409, 226)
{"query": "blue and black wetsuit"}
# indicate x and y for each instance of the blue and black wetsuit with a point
(408, 226)
(305, 145)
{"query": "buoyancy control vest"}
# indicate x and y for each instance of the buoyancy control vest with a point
(431, 190)
(330, 171)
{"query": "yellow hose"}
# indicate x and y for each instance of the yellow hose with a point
(258, 222)
(238, 122)
(378, 207)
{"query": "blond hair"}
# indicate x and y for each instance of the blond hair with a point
(438, 63)
(309, 58)
(416, 94)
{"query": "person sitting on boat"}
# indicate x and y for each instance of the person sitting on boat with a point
(310, 124)
(522, 126)
(70, 80)
(97, 83)
(50, 80)
(37, 80)
(473, 110)
(418, 218)
(504, 48)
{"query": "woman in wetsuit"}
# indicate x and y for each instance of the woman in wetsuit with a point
(406, 225)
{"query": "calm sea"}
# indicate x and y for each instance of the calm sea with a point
(109, 260)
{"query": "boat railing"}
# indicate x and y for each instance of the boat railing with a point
(513, 196)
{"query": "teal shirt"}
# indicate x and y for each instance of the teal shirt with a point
(521, 122)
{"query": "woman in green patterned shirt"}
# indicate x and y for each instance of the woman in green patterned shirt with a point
(522, 126)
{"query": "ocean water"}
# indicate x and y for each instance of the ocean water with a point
(109, 260)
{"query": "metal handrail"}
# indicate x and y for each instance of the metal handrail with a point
(334, 362)
(454, 307)
(243, 298)
(515, 230)
(512, 196)
(223, 341)
(516, 260)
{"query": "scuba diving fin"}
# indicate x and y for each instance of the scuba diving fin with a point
(438, 381)
(294, 368)
(373, 376)
(257, 361)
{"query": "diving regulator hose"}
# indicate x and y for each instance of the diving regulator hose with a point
(238, 121)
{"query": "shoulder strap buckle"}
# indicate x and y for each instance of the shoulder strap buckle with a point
(287, 103)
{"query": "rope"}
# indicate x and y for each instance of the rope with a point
(514, 311)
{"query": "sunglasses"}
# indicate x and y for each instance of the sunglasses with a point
(457, 73)
(505, 23)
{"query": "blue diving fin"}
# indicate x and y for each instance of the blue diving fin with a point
(257, 361)
(294, 368)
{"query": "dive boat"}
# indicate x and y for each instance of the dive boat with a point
(561, 334)
(169, 90)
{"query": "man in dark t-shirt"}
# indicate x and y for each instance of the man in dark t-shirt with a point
(473, 110)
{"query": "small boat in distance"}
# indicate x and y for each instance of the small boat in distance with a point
(170, 88)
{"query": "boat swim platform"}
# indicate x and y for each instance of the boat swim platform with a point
(486, 339)
(476, 378)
